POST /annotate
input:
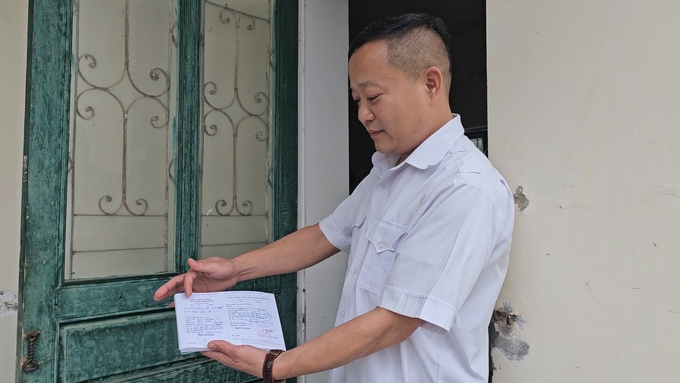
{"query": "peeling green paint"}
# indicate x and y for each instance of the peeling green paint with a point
(8, 303)
(127, 344)
(44, 191)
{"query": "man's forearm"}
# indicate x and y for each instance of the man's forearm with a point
(362, 336)
(296, 251)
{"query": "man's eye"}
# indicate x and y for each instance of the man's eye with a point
(356, 100)
(372, 98)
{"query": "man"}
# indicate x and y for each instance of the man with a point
(428, 232)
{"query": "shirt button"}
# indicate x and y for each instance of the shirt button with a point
(380, 245)
(354, 271)
(382, 185)
(343, 312)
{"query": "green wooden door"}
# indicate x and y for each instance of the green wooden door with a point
(92, 257)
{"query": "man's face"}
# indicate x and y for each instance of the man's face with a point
(391, 106)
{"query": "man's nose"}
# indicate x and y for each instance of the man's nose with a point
(365, 114)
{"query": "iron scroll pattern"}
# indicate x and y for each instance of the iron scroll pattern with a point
(228, 111)
(159, 121)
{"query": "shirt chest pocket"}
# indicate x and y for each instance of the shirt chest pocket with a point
(383, 238)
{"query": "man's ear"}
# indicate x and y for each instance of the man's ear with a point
(434, 81)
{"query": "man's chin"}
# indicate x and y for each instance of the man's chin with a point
(383, 151)
(381, 147)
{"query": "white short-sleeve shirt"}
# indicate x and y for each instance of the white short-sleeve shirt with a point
(427, 238)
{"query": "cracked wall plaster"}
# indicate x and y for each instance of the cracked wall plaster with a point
(507, 340)
(521, 200)
(8, 303)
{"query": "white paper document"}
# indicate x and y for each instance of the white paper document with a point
(239, 317)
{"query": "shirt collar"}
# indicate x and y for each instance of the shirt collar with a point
(429, 153)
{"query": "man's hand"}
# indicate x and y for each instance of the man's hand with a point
(212, 274)
(362, 336)
(243, 358)
(296, 251)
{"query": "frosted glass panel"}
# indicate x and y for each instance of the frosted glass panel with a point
(121, 195)
(230, 251)
(236, 127)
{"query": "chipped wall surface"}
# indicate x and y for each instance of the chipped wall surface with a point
(13, 34)
(583, 100)
(8, 303)
(506, 337)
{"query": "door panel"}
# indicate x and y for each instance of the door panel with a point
(197, 371)
(84, 302)
(114, 155)
(88, 352)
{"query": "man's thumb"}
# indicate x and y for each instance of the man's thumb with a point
(197, 266)
(218, 346)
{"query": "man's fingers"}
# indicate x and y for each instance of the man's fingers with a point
(179, 283)
(221, 346)
(174, 285)
(185, 282)
(188, 283)
(194, 264)
(207, 266)
(220, 351)
(244, 358)
(211, 354)
(195, 268)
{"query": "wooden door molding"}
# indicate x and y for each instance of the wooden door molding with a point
(285, 156)
(44, 180)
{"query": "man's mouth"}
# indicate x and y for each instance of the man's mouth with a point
(375, 133)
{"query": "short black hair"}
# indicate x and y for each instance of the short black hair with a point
(411, 57)
(398, 26)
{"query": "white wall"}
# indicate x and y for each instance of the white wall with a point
(583, 103)
(13, 26)
(323, 154)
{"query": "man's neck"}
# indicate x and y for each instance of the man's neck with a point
(403, 157)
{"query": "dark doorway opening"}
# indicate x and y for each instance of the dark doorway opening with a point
(466, 22)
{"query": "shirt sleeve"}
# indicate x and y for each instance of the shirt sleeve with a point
(334, 231)
(338, 226)
(441, 256)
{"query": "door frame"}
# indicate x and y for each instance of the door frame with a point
(323, 154)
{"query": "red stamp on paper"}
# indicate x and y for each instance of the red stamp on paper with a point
(265, 335)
